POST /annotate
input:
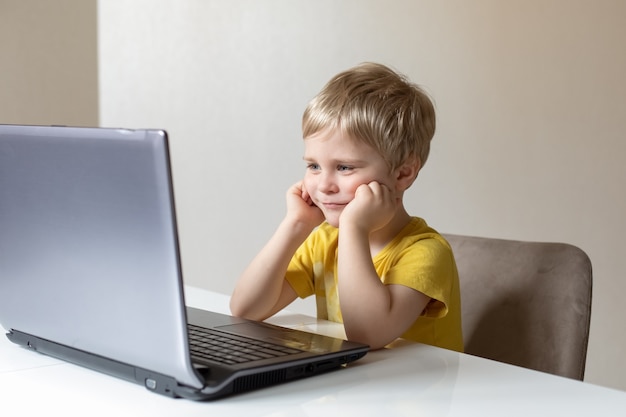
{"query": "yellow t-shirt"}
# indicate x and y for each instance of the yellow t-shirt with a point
(418, 257)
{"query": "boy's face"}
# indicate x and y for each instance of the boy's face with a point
(336, 166)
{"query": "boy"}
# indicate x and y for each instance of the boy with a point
(347, 237)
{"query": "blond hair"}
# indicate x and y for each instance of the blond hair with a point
(374, 104)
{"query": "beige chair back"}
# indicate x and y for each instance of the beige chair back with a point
(525, 303)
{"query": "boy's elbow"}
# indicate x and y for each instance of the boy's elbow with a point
(374, 344)
(236, 309)
(373, 339)
(239, 310)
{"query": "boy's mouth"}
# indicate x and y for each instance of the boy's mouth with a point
(334, 206)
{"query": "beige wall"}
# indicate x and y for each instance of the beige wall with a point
(48, 62)
(530, 97)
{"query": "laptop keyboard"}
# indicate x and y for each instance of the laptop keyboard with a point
(213, 345)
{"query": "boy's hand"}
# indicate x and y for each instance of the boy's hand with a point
(300, 207)
(373, 206)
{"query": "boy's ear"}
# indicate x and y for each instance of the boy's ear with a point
(407, 173)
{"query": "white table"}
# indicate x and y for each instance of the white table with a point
(405, 380)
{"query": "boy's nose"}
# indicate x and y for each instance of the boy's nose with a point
(327, 183)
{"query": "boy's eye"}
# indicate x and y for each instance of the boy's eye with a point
(312, 166)
(344, 168)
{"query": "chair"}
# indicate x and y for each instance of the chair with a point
(525, 303)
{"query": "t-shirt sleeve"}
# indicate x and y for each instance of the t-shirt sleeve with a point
(299, 274)
(428, 267)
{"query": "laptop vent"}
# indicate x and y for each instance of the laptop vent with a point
(246, 383)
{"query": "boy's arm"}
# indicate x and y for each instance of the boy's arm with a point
(373, 313)
(262, 289)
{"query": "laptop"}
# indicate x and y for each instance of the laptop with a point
(90, 271)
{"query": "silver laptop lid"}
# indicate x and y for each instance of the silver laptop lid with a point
(88, 246)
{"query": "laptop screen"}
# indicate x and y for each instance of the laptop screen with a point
(87, 220)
